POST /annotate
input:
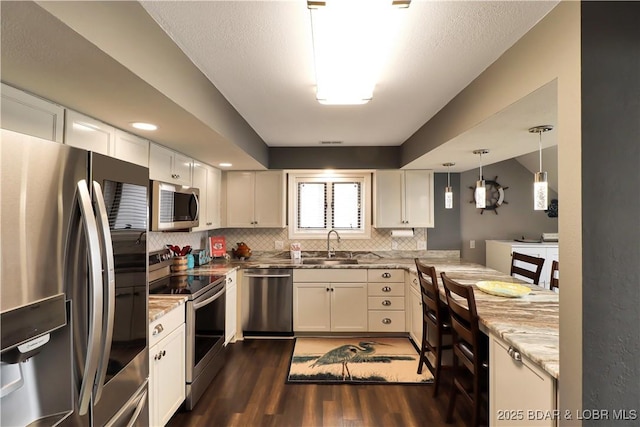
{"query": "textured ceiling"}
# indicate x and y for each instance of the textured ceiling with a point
(259, 55)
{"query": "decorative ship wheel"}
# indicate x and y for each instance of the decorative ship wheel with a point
(495, 195)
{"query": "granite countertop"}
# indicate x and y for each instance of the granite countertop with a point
(159, 305)
(530, 323)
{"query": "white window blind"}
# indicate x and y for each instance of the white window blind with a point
(312, 202)
(346, 205)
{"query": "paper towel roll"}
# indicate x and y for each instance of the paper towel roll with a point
(402, 233)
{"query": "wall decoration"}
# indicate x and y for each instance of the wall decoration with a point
(495, 195)
(552, 210)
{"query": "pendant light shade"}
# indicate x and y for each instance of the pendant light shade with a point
(448, 190)
(481, 191)
(540, 183)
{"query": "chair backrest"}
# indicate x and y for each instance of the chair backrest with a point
(555, 280)
(464, 321)
(431, 302)
(535, 262)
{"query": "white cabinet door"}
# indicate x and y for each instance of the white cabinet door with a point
(25, 113)
(214, 179)
(169, 166)
(312, 307)
(348, 307)
(255, 199)
(89, 134)
(131, 148)
(418, 192)
(167, 376)
(415, 308)
(404, 199)
(231, 308)
(520, 393)
(389, 199)
(200, 180)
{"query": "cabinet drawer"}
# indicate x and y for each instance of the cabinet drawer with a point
(386, 321)
(385, 275)
(386, 303)
(162, 327)
(330, 275)
(386, 289)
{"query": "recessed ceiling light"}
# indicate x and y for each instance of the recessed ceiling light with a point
(144, 126)
(225, 165)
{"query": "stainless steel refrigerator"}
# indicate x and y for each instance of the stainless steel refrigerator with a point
(74, 286)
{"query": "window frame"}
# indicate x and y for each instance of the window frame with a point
(363, 177)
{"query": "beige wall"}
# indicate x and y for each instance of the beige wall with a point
(551, 50)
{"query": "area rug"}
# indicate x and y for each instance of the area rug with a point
(356, 361)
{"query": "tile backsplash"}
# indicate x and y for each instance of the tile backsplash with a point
(263, 239)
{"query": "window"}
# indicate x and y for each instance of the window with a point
(320, 202)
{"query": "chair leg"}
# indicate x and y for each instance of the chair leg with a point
(423, 345)
(452, 404)
(438, 363)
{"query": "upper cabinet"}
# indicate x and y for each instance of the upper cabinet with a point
(169, 166)
(403, 199)
(255, 199)
(89, 134)
(28, 114)
(131, 148)
(208, 180)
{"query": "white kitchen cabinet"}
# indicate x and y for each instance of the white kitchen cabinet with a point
(231, 308)
(255, 199)
(25, 113)
(169, 166)
(326, 300)
(207, 179)
(131, 148)
(498, 256)
(386, 300)
(167, 366)
(414, 311)
(520, 392)
(89, 134)
(403, 199)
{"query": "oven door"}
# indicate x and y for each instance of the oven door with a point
(205, 329)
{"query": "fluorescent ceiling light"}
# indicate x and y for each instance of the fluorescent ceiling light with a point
(351, 42)
(225, 165)
(144, 126)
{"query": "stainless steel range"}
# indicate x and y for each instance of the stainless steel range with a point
(205, 316)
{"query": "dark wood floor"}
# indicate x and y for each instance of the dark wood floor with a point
(251, 391)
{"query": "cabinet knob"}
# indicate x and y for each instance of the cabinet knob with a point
(386, 321)
(415, 280)
(164, 352)
(229, 280)
(386, 302)
(158, 329)
(327, 289)
(515, 354)
(386, 289)
(386, 275)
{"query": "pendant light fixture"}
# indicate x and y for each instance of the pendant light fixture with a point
(448, 190)
(540, 185)
(481, 191)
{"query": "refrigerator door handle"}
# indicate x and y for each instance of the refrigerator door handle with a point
(139, 407)
(109, 290)
(139, 400)
(95, 296)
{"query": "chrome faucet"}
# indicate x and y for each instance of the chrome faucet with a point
(330, 253)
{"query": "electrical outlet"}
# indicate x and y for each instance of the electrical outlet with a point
(279, 244)
(394, 246)
(472, 244)
(421, 245)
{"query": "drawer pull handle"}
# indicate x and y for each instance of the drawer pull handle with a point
(386, 289)
(386, 321)
(386, 302)
(158, 329)
(386, 275)
(515, 354)
(415, 280)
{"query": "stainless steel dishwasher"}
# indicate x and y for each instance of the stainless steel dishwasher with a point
(267, 302)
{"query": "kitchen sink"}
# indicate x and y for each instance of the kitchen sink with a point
(329, 261)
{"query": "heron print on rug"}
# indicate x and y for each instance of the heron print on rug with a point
(356, 361)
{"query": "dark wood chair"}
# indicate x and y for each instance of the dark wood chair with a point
(555, 280)
(435, 314)
(533, 262)
(470, 351)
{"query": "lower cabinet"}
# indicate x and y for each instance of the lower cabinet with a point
(415, 314)
(520, 392)
(386, 300)
(231, 309)
(167, 366)
(330, 300)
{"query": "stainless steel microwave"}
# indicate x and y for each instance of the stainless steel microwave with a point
(174, 207)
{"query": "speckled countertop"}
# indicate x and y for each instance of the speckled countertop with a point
(530, 323)
(161, 305)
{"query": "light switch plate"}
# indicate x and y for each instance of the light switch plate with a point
(394, 246)
(279, 244)
(421, 245)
